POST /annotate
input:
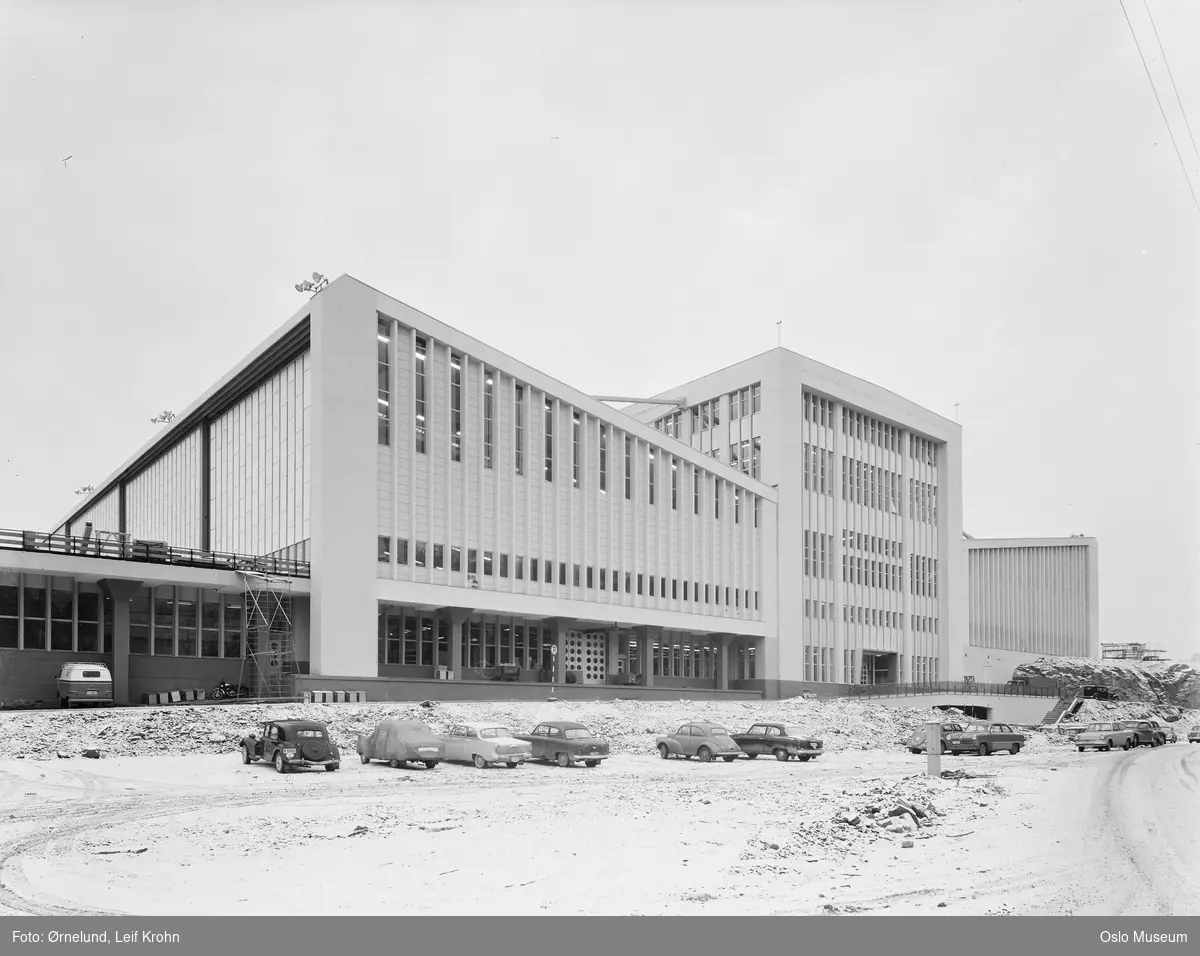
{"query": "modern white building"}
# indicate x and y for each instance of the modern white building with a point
(870, 566)
(1030, 598)
(434, 514)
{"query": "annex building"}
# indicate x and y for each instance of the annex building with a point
(373, 500)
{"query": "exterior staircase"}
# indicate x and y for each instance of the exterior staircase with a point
(1064, 708)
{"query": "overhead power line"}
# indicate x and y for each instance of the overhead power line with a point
(1167, 64)
(1166, 122)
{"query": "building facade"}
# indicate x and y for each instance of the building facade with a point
(432, 509)
(870, 561)
(1030, 598)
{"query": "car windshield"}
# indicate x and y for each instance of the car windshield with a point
(308, 733)
(577, 733)
(1096, 728)
(490, 733)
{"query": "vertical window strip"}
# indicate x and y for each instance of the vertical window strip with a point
(420, 395)
(489, 414)
(650, 483)
(455, 407)
(575, 429)
(603, 459)
(519, 428)
(549, 439)
(384, 361)
(628, 467)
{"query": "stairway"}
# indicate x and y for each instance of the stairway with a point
(1064, 708)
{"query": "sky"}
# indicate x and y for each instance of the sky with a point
(975, 205)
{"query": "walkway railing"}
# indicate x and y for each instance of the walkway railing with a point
(153, 552)
(950, 687)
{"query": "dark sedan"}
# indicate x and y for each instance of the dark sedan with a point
(783, 740)
(565, 743)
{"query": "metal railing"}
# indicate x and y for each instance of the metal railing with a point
(152, 552)
(950, 687)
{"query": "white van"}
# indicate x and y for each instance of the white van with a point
(85, 682)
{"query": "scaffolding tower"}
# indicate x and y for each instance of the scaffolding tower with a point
(269, 665)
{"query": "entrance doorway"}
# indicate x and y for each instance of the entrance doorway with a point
(879, 667)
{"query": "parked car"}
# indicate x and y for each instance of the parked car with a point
(983, 738)
(1098, 692)
(783, 740)
(1105, 736)
(486, 744)
(916, 740)
(399, 741)
(701, 739)
(1167, 731)
(565, 743)
(1194, 734)
(85, 682)
(291, 745)
(1147, 734)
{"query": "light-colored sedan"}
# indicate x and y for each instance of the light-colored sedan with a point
(699, 738)
(1194, 734)
(486, 744)
(1105, 736)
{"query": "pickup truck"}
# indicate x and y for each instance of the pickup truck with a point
(1105, 736)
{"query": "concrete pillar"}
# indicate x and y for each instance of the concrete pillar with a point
(611, 653)
(120, 592)
(645, 641)
(723, 663)
(856, 667)
(458, 617)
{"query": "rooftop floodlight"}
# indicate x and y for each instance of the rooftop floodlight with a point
(315, 285)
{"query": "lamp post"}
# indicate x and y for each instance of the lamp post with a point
(553, 666)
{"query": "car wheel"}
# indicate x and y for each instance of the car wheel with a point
(944, 747)
(803, 757)
(915, 750)
(562, 760)
(394, 764)
(1125, 745)
(591, 763)
(479, 761)
(664, 751)
(1082, 749)
(364, 758)
(729, 758)
(245, 754)
(983, 750)
(704, 754)
(1107, 747)
(513, 764)
(781, 754)
(280, 766)
(430, 764)
(330, 767)
(1016, 749)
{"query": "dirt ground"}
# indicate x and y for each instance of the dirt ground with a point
(1043, 832)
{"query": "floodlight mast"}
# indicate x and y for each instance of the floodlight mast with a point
(315, 285)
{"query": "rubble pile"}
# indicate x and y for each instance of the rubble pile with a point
(630, 726)
(848, 817)
(1091, 710)
(1151, 682)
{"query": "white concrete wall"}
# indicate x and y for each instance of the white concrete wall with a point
(429, 497)
(104, 514)
(785, 377)
(261, 464)
(163, 501)
(1030, 598)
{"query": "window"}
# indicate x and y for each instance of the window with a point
(589, 576)
(575, 428)
(603, 459)
(519, 567)
(755, 449)
(737, 505)
(756, 501)
(549, 568)
(695, 490)
(639, 584)
(437, 557)
(472, 561)
(384, 349)
(164, 621)
(562, 573)
(519, 418)
(504, 565)
(487, 563)
(420, 397)
(10, 609)
(419, 557)
(717, 498)
(604, 579)
(402, 550)
(210, 624)
(695, 419)
(232, 645)
(549, 439)
(455, 558)
(733, 406)
(188, 613)
(384, 550)
(489, 415)
(628, 467)
(575, 575)
(650, 464)
(674, 483)
(455, 407)
(755, 399)
(62, 615)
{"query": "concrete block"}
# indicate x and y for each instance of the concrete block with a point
(175, 697)
(360, 696)
(152, 698)
(200, 694)
(307, 697)
(189, 695)
(339, 697)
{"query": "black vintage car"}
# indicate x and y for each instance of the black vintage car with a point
(291, 745)
(566, 743)
(783, 740)
(1147, 734)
